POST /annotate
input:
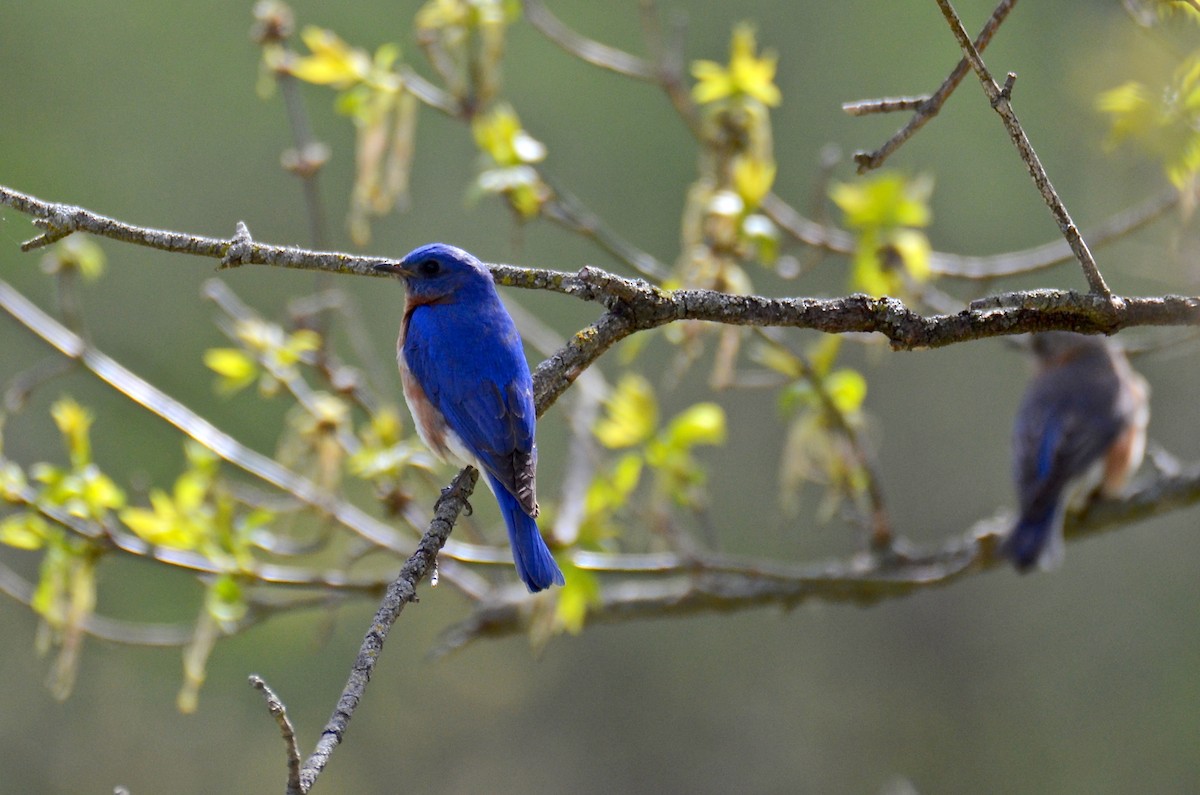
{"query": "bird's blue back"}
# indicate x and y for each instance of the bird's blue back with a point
(480, 384)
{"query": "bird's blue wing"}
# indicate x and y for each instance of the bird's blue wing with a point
(470, 363)
(1067, 421)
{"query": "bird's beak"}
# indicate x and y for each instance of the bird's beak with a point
(388, 267)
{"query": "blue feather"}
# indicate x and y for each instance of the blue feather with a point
(459, 344)
(535, 565)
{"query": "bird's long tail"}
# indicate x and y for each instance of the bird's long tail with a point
(1036, 541)
(535, 565)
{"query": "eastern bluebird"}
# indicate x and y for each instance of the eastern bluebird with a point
(468, 387)
(1081, 428)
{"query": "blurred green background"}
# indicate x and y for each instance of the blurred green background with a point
(1084, 681)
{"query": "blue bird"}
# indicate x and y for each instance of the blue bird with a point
(1081, 428)
(468, 387)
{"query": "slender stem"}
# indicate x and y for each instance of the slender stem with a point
(286, 730)
(1001, 104)
(869, 160)
(402, 591)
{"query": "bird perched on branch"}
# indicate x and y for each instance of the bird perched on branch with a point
(1080, 429)
(468, 387)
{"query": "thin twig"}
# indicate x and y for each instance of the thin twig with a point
(999, 99)
(567, 210)
(866, 107)
(583, 48)
(402, 591)
(869, 160)
(113, 538)
(113, 630)
(635, 305)
(286, 730)
(1056, 251)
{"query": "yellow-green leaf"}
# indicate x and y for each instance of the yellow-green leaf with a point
(753, 178)
(24, 531)
(332, 62)
(235, 367)
(73, 422)
(884, 201)
(747, 75)
(77, 252)
(225, 601)
(847, 389)
(581, 592)
(498, 134)
(12, 481)
(703, 423)
(632, 413)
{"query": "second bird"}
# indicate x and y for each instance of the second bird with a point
(1081, 428)
(468, 387)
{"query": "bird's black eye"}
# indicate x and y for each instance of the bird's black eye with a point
(429, 267)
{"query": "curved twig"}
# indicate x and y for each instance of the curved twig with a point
(583, 48)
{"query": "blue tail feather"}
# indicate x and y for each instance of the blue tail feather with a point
(1036, 541)
(535, 565)
(1024, 545)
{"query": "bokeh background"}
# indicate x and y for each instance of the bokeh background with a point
(1084, 681)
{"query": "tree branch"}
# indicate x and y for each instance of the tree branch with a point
(634, 305)
(1000, 103)
(719, 584)
(286, 730)
(931, 106)
(583, 48)
(402, 591)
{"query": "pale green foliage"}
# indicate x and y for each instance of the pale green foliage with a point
(722, 225)
(269, 355)
(65, 598)
(198, 514)
(508, 154)
(631, 422)
(747, 74)
(224, 606)
(820, 397)
(81, 490)
(467, 40)
(24, 530)
(1163, 122)
(887, 211)
(1154, 12)
(372, 94)
(581, 592)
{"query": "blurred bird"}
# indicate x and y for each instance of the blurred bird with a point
(1081, 428)
(468, 387)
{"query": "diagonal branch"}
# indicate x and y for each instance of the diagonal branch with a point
(286, 730)
(999, 97)
(931, 105)
(402, 591)
(583, 48)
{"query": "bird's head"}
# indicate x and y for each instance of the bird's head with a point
(1054, 348)
(436, 271)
